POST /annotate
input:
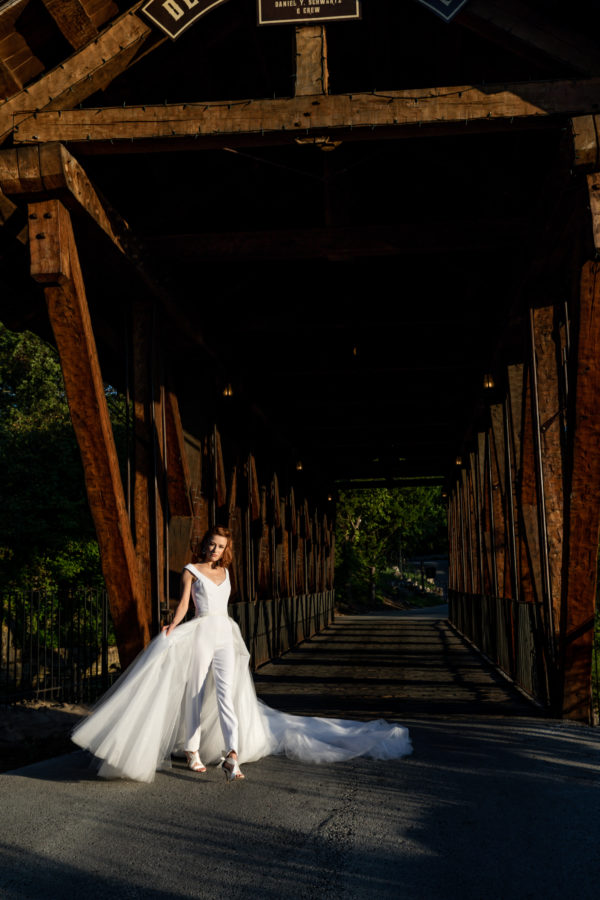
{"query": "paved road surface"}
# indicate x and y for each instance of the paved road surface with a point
(495, 802)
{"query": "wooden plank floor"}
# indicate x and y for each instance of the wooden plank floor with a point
(388, 666)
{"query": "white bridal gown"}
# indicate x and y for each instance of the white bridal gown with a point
(140, 721)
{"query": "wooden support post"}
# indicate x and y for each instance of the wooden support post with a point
(582, 508)
(510, 470)
(144, 525)
(499, 500)
(312, 76)
(55, 264)
(524, 481)
(178, 471)
(490, 533)
(547, 350)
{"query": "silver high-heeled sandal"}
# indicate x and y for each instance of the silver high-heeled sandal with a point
(194, 762)
(231, 767)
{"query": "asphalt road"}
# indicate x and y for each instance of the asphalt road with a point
(503, 805)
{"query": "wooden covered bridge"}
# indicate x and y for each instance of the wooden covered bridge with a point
(320, 247)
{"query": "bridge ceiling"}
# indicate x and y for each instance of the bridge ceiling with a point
(353, 294)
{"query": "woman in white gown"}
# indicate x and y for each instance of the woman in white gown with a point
(191, 690)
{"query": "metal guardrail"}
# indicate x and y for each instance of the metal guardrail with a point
(270, 627)
(508, 632)
(56, 646)
(59, 646)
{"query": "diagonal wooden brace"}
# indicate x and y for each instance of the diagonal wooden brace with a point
(55, 264)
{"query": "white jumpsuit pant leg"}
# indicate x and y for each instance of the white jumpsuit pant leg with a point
(214, 648)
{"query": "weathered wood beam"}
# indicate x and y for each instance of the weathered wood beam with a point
(54, 263)
(13, 219)
(73, 20)
(528, 32)
(344, 242)
(10, 82)
(89, 69)
(312, 76)
(499, 499)
(178, 471)
(51, 169)
(547, 349)
(582, 505)
(144, 526)
(445, 106)
(18, 62)
(586, 144)
(593, 183)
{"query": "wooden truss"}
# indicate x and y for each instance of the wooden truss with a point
(523, 522)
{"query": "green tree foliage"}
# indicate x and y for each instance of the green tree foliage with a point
(375, 527)
(46, 532)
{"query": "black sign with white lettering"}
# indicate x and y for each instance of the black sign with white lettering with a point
(174, 16)
(302, 12)
(444, 8)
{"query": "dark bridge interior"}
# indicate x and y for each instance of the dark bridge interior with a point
(316, 258)
(352, 293)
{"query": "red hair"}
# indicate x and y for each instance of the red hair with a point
(219, 531)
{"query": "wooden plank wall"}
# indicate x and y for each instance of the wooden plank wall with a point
(281, 548)
(524, 515)
(523, 527)
(283, 566)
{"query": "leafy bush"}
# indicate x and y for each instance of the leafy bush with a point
(47, 537)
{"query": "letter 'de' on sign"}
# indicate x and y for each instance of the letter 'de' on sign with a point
(174, 16)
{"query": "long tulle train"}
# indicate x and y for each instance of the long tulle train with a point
(138, 723)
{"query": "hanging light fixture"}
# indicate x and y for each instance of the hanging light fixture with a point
(488, 382)
(299, 466)
(228, 391)
(458, 460)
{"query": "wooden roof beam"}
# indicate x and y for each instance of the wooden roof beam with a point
(73, 20)
(453, 108)
(342, 242)
(396, 481)
(40, 169)
(90, 69)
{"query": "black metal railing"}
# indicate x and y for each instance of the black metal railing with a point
(510, 633)
(56, 646)
(270, 627)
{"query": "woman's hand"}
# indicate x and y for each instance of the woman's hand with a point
(168, 629)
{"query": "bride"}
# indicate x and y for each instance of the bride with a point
(191, 691)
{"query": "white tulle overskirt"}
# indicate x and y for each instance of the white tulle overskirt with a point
(139, 722)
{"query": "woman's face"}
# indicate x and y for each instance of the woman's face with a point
(215, 547)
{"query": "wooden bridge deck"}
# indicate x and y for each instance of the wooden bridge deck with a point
(392, 666)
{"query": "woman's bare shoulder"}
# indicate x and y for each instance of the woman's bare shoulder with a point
(187, 573)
